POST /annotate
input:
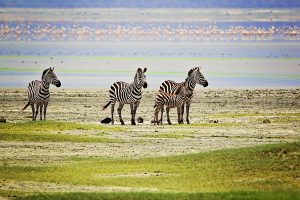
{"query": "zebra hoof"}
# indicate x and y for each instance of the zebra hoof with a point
(133, 123)
(122, 123)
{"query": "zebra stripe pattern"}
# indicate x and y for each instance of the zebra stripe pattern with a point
(194, 77)
(171, 101)
(38, 93)
(126, 93)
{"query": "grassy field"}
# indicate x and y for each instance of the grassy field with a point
(228, 152)
(269, 171)
(55, 132)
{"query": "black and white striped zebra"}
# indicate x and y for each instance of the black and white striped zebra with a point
(182, 95)
(126, 93)
(38, 93)
(194, 77)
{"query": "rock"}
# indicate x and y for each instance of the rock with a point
(266, 121)
(215, 121)
(2, 120)
(107, 120)
(140, 120)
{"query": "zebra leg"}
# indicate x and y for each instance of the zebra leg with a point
(120, 112)
(41, 111)
(179, 116)
(187, 112)
(161, 115)
(155, 117)
(131, 111)
(45, 109)
(33, 111)
(168, 115)
(36, 111)
(135, 106)
(112, 112)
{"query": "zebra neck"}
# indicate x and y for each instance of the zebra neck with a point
(135, 87)
(45, 87)
(191, 84)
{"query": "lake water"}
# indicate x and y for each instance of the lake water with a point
(99, 64)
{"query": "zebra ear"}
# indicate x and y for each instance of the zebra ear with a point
(199, 68)
(139, 70)
(145, 69)
(190, 72)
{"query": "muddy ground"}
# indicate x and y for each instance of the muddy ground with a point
(220, 119)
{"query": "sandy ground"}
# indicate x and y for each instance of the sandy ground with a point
(239, 115)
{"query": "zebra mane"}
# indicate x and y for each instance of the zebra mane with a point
(46, 71)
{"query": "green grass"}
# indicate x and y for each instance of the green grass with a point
(282, 195)
(51, 131)
(257, 169)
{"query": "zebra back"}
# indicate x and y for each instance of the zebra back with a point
(183, 94)
(128, 93)
(170, 87)
(194, 77)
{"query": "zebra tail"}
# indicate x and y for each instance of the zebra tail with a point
(104, 107)
(26, 105)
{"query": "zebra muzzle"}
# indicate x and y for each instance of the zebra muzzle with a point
(145, 85)
(58, 84)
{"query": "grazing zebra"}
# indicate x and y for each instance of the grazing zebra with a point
(126, 93)
(194, 77)
(182, 95)
(38, 93)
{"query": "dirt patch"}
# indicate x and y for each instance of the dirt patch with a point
(55, 187)
(239, 113)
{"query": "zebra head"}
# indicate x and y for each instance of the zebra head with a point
(197, 77)
(50, 77)
(140, 77)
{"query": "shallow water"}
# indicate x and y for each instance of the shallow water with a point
(98, 65)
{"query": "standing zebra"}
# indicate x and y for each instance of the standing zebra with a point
(194, 77)
(126, 93)
(38, 93)
(182, 95)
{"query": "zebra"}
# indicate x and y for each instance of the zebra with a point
(38, 93)
(126, 93)
(182, 95)
(194, 77)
